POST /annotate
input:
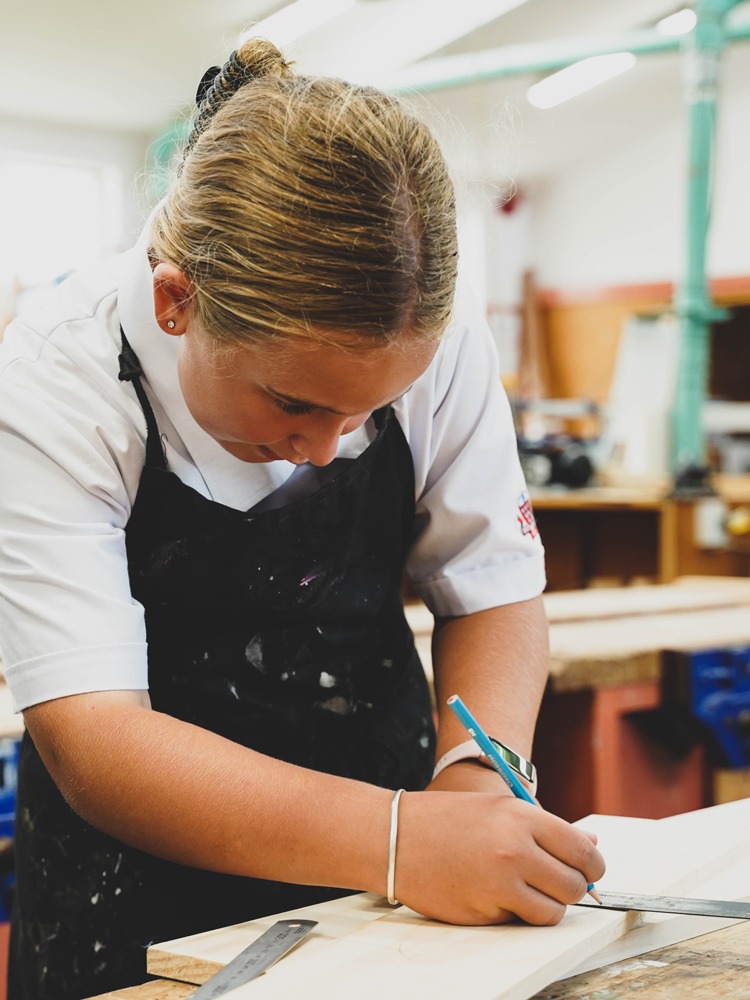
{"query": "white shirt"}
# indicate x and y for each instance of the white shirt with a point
(72, 445)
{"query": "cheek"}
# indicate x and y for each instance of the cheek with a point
(354, 423)
(227, 409)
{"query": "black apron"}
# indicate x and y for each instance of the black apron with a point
(280, 628)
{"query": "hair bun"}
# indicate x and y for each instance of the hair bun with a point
(258, 57)
(255, 58)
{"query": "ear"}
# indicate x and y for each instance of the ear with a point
(172, 291)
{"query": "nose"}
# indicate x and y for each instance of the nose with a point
(318, 441)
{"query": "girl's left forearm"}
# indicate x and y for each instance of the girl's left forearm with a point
(498, 662)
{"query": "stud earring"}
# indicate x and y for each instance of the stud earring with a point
(170, 324)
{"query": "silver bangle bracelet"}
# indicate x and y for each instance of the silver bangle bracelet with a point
(391, 881)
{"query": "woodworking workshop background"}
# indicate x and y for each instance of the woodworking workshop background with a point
(601, 235)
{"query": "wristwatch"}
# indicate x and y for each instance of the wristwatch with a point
(470, 751)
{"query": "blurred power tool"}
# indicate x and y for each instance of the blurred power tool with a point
(556, 461)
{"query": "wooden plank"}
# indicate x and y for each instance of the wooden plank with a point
(628, 649)
(195, 958)
(688, 593)
(404, 954)
(11, 723)
(658, 930)
(684, 595)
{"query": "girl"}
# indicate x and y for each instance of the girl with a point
(219, 454)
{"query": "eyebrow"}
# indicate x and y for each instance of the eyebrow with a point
(304, 402)
(296, 401)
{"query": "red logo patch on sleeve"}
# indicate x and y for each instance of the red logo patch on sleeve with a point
(526, 516)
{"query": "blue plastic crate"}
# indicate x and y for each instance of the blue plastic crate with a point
(9, 749)
(720, 698)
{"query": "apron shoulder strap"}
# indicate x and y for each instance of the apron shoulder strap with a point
(131, 371)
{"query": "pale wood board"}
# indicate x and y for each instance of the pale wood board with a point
(684, 595)
(730, 880)
(402, 954)
(11, 723)
(687, 593)
(628, 649)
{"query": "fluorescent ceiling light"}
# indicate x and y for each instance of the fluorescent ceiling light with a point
(678, 24)
(575, 79)
(295, 20)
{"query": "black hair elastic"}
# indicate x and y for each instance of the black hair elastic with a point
(205, 85)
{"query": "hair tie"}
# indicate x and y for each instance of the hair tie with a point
(205, 85)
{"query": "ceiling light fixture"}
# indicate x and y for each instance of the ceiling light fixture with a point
(296, 20)
(679, 23)
(578, 78)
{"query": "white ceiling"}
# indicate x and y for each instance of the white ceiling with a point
(134, 66)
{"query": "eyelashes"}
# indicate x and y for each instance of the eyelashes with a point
(293, 409)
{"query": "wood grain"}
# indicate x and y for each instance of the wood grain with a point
(158, 990)
(711, 967)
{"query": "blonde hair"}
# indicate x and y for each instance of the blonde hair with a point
(309, 206)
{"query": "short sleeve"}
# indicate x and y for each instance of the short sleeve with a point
(477, 545)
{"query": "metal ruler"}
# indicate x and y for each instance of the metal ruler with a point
(255, 959)
(672, 904)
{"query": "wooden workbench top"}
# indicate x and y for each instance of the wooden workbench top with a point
(710, 967)
(704, 968)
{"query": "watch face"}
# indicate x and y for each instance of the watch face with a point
(520, 765)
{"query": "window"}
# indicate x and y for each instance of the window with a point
(55, 216)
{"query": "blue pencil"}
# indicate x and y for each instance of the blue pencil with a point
(485, 744)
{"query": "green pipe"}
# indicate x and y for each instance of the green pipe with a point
(702, 48)
(511, 60)
(540, 57)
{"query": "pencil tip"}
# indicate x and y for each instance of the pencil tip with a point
(594, 895)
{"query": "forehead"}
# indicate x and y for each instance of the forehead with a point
(347, 379)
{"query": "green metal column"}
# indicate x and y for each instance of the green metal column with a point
(702, 47)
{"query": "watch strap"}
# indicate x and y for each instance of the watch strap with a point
(469, 750)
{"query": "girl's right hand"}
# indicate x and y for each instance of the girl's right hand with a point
(483, 858)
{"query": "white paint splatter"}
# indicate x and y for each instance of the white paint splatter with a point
(98, 946)
(327, 680)
(337, 704)
(386, 663)
(254, 654)
(233, 691)
(615, 970)
(95, 899)
(424, 741)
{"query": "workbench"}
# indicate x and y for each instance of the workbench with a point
(704, 968)
(627, 533)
